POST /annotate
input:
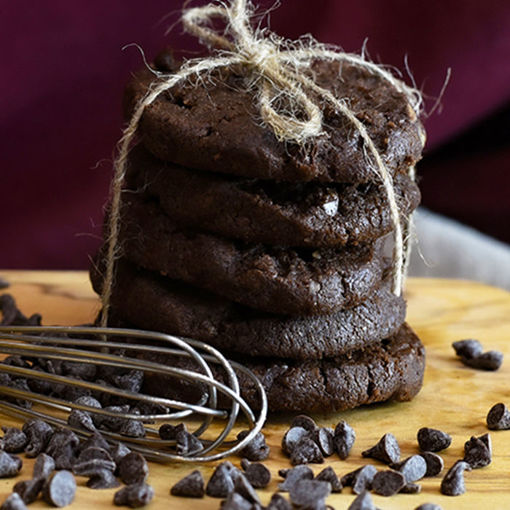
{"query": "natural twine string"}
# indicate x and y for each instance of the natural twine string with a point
(277, 67)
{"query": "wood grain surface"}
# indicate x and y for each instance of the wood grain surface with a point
(455, 398)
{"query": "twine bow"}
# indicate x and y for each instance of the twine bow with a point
(277, 67)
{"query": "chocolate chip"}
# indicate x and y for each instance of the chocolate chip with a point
(413, 468)
(132, 381)
(96, 440)
(132, 428)
(498, 417)
(478, 451)
(278, 502)
(490, 360)
(102, 479)
(242, 486)
(118, 451)
(14, 440)
(388, 483)
(256, 449)
(386, 450)
(44, 465)
(435, 463)
(10, 465)
(113, 423)
(133, 469)
(63, 447)
(191, 486)
(294, 475)
(411, 488)
(433, 440)
(256, 473)
(323, 438)
(168, 432)
(81, 420)
(360, 479)
(309, 494)
(13, 502)
(4, 283)
(428, 506)
(187, 444)
(60, 489)
(29, 489)
(306, 451)
(91, 460)
(235, 501)
(328, 475)
(304, 422)
(453, 482)
(221, 483)
(467, 348)
(135, 495)
(12, 316)
(363, 502)
(343, 439)
(86, 371)
(292, 437)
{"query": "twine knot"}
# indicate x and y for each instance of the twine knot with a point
(287, 101)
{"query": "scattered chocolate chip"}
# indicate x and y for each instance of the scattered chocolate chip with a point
(118, 451)
(294, 475)
(360, 479)
(490, 360)
(135, 495)
(12, 316)
(467, 348)
(114, 422)
(304, 422)
(323, 438)
(478, 451)
(4, 283)
(292, 437)
(86, 371)
(102, 479)
(191, 486)
(435, 463)
(29, 489)
(13, 502)
(309, 494)
(96, 440)
(235, 501)
(10, 465)
(413, 468)
(221, 483)
(433, 440)
(498, 417)
(132, 381)
(256, 473)
(428, 506)
(133, 469)
(306, 451)
(388, 483)
(63, 447)
(343, 439)
(411, 488)
(187, 443)
(81, 420)
(132, 428)
(256, 449)
(363, 502)
(168, 432)
(60, 489)
(386, 450)
(453, 482)
(14, 440)
(44, 465)
(278, 502)
(242, 486)
(93, 459)
(329, 475)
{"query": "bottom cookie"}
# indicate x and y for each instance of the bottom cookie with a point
(388, 370)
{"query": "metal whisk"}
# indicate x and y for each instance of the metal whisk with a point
(87, 345)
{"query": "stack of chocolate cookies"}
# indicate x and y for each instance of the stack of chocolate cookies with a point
(273, 253)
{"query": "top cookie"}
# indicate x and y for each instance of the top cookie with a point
(214, 124)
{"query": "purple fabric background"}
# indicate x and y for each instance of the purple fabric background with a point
(62, 74)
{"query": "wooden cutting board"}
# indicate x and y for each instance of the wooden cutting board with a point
(455, 398)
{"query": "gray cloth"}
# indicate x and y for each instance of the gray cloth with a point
(448, 249)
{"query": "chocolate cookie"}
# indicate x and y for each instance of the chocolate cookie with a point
(388, 370)
(215, 124)
(283, 214)
(152, 302)
(278, 280)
